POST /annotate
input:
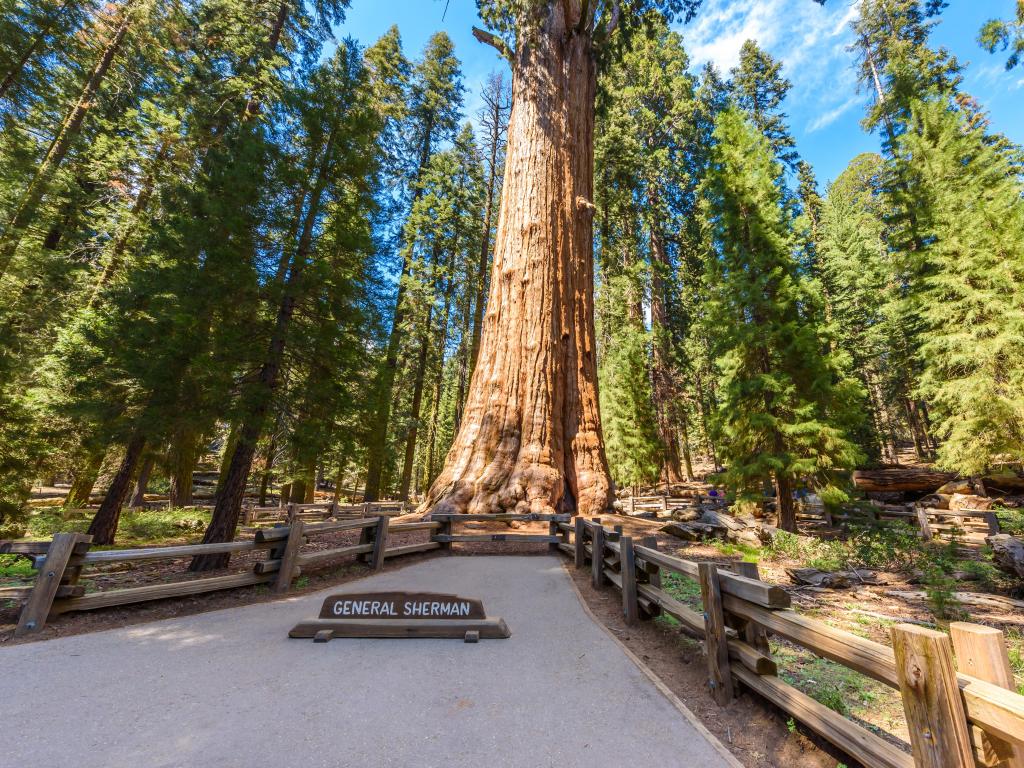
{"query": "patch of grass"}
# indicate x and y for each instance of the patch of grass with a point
(302, 581)
(14, 567)
(683, 589)
(748, 553)
(837, 687)
(1011, 521)
(137, 527)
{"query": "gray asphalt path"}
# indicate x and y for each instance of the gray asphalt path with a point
(228, 688)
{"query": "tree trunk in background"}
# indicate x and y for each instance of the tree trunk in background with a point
(139, 494)
(376, 448)
(224, 519)
(83, 481)
(103, 527)
(181, 464)
(787, 510)
(665, 395)
(62, 142)
(530, 439)
(268, 464)
(417, 403)
(286, 492)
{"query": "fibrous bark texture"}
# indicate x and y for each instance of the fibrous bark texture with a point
(530, 438)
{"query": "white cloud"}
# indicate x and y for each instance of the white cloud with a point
(826, 119)
(810, 40)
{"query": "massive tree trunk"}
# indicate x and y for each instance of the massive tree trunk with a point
(530, 439)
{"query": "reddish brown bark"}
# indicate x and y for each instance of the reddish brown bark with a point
(530, 440)
(665, 395)
(103, 527)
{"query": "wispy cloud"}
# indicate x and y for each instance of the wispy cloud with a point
(826, 119)
(811, 41)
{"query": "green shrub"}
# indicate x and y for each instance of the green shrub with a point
(12, 566)
(1011, 521)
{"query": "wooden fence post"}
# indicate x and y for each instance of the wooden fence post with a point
(922, 523)
(981, 653)
(445, 530)
(753, 633)
(716, 646)
(296, 538)
(380, 542)
(653, 571)
(580, 554)
(52, 572)
(291, 513)
(597, 555)
(553, 531)
(931, 698)
(627, 570)
(664, 504)
(632, 505)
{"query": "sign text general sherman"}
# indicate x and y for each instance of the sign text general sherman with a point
(401, 605)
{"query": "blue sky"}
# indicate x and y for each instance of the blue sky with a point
(824, 107)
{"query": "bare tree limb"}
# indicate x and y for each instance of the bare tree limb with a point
(495, 42)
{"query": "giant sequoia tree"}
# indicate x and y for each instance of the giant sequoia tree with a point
(530, 438)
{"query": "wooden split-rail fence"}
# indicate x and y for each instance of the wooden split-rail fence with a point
(61, 562)
(957, 717)
(254, 515)
(968, 526)
(960, 713)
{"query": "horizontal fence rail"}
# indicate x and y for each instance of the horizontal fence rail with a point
(956, 718)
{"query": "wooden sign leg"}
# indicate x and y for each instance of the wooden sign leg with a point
(627, 562)
(380, 543)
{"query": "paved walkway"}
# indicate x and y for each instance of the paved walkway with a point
(228, 688)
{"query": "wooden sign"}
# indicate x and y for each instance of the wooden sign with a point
(401, 614)
(401, 605)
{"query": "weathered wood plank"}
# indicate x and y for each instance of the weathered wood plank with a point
(719, 675)
(526, 518)
(310, 559)
(168, 553)
(39, 606)
(597, 557)
(935, 713)
(290, 556)
(529, 538)
(380, 543)
(425, 525)
(865, 656)
(767, 595)
(158, 592)
(630, 606)
(868, 748)
(19, 592)
(753, 633)
(993, 709)
(36, 548)
(981, 653)
(409, 549)
(492, 629)
(579, 543)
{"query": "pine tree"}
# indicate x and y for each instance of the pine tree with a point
(970, 302)
(998, 34)
(784, 405)
(759, 88)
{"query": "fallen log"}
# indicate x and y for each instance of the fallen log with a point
(900, 479)
(1008, 553)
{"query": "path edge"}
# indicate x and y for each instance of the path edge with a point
(651, 675)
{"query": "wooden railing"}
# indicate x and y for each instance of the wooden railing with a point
(57, 588)
(968, 525)
(955, 719)
(252, 515)
(665, 505)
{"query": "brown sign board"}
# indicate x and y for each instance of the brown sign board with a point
(383, 606)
